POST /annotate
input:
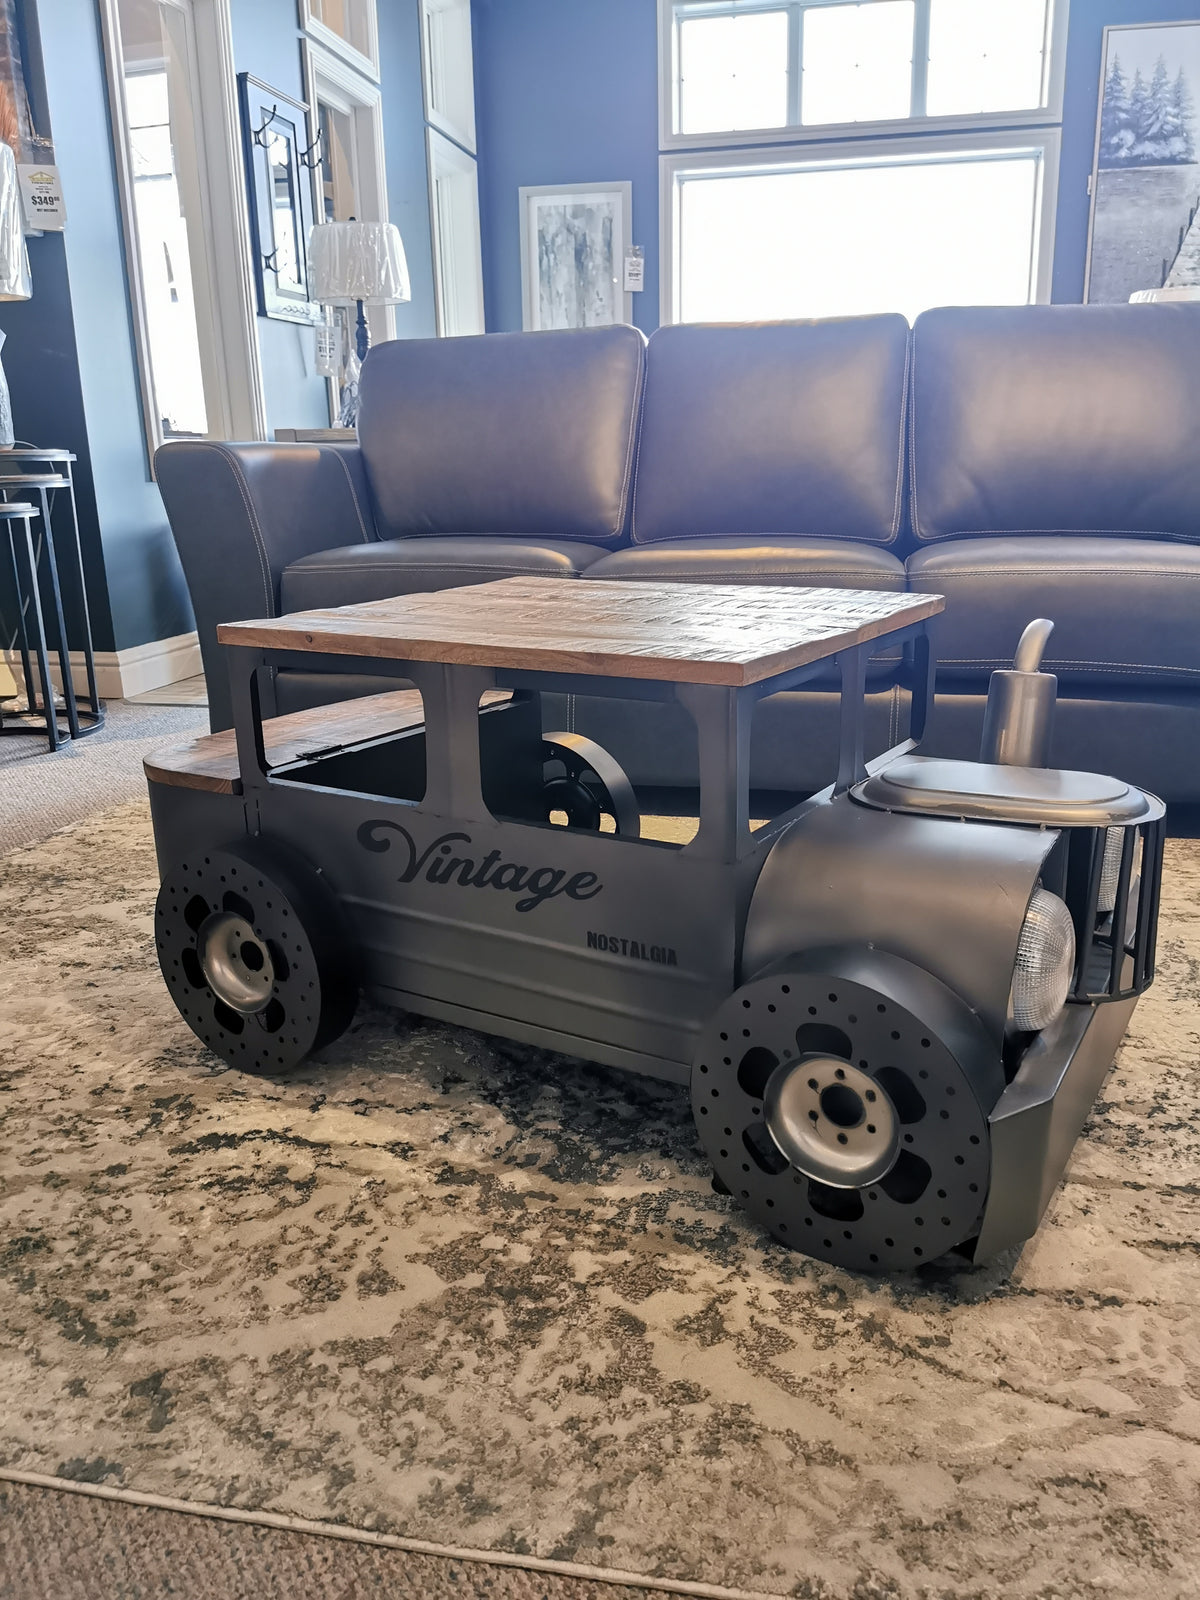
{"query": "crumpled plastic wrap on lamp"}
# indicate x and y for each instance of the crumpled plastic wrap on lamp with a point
(16, 283)
(352, 261)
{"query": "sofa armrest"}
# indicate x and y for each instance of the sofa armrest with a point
(240, 513)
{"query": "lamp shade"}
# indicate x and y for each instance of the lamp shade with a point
(352, 261)
(15, 280)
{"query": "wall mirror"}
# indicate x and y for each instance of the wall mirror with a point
(277, 152)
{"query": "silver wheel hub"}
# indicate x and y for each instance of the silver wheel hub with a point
(831, 1121)
(236, 963)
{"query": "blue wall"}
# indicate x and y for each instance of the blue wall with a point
(70, 354)
(567, 92)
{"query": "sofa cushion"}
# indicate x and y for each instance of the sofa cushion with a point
(773, 428)
(1056, 419)
(414, 566)
(804, 563)
(821, 563)
(1125, 611)
(520, 433)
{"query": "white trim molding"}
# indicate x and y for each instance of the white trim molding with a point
(457, 245)
(448, 70)
(330, 78)
(223, 277)
(121, 673)
(363, 61)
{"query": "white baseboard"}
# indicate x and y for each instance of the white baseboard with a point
(120, 673)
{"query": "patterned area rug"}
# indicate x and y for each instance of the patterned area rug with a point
(464, 1292)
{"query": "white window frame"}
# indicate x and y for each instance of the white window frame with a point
(226, 275)
(448, 161)
(329, 77)
(436, 65)
(365, 62)
(676, 167)
(1050, 112)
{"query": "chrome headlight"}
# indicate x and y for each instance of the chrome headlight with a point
(1045, 963)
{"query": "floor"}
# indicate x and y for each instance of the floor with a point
(66, 1544)
(41, 792)
(187, 692)
(73, 1547)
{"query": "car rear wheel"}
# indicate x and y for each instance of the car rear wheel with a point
(254, 951)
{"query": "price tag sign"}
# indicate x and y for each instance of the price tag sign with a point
(635, 269)
(42, 197)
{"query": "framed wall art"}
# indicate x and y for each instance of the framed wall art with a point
(573, 244)
(278, 156)
(1145, 219)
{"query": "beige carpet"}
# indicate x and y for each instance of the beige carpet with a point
(56, 1546)
(460, 1292)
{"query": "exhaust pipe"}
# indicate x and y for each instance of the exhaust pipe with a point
(1020, 705)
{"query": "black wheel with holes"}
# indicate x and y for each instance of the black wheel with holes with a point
(844, 1105)
(583, 782)
(252, 945)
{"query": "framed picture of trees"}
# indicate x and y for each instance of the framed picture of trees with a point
(1145, 222)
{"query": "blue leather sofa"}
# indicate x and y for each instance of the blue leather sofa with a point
(1021, 461)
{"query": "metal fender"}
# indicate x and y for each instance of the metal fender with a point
(947, 896)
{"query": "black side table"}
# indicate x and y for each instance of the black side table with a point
(29, 576)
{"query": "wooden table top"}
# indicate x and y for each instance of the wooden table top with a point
(679, 632)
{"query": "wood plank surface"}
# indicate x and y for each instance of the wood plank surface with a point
(210, 762)
(675, 632)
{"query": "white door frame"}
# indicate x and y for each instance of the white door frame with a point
(447, 161)
(329, 77)
(227, 272)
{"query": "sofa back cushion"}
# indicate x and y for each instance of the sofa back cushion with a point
(520, 433)
(1056, 419)
(774, 428)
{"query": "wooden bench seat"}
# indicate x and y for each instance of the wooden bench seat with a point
(210, 762)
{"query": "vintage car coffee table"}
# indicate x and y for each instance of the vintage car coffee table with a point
(894, 1002)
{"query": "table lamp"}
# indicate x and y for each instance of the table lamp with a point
(358, 264)
(15, 280)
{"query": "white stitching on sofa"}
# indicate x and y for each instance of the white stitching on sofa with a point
(764, 572)
(645, 409)
(436, 566)
(1064, 533)
(633, 443)
(239, 478)
(1054, 572)
(1065, 661)
(354, 496)
(896, 509)
(912, 446)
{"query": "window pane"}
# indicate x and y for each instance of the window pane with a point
(733, 72)
(345, 18)
(843, 241)
(450, 71)
(339, 164)
(457, 256)
(166, 199)
(857, 62)
(977, 63)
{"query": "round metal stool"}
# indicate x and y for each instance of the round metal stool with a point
(30, 575)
